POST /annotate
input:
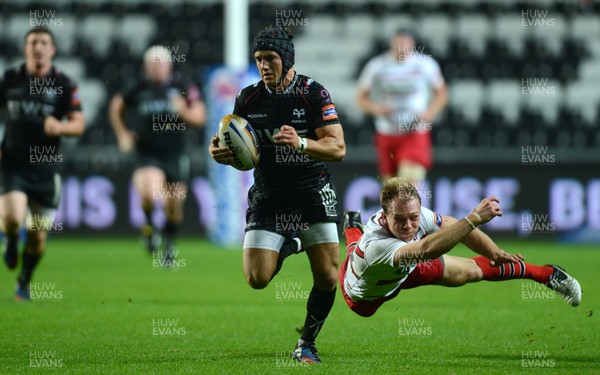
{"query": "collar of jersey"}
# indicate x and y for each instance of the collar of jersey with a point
(51, 72)
(287, 89)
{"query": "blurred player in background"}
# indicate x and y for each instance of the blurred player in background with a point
(404, 246)
(164, 106)
(292, 115)
(37, 97)
(395, 87)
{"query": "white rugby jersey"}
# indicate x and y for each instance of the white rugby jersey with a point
(371, 273)
(405, 86)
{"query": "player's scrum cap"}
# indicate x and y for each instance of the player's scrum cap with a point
(278, 40)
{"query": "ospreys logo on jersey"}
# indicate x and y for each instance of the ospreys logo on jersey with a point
(299, 112)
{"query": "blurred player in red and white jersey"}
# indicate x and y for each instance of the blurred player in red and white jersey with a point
(404, 246)
(42, 105)
(396, 88)
(164, 106)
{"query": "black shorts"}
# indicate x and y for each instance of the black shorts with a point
(43, 188)
(286, 213)
(176, 167)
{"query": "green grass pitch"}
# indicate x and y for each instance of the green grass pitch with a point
(104, 308)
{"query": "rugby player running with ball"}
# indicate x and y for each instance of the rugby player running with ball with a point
(292, 115)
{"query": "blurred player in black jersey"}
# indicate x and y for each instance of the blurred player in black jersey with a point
(292, 197)
(164, 107)
(37, 97)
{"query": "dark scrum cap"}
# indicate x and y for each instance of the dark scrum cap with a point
(278, 40)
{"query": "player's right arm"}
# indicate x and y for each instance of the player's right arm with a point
(365, 84)
(125, 137)
(364, 101)
(222, 155)
(439, 243)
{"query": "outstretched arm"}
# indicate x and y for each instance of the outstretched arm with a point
(482, 244)
(440, 242)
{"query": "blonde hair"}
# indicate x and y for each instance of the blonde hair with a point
(397, 188)
(157, 53)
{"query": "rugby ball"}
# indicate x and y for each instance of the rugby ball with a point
(236, 133)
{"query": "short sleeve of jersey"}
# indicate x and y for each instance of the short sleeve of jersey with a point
(7, 78)
(434, 73)
(238, 107)
(129, 94)
(74, 104)
(368, 73)
(430, 221)
(323, 108)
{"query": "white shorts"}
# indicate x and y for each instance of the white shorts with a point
(39, 218)
(315, 234)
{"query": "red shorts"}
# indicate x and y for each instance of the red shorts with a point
(392, 149)
(426, 273)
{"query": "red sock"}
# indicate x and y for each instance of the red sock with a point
(352, 237)
(517, 270)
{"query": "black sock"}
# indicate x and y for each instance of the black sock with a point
(12, 242)
(317, 308)
(148, 215)
(170, 232)
(30, 261)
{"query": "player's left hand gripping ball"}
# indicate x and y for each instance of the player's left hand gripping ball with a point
(236, 133)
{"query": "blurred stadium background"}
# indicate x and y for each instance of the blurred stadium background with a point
(523, 79)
